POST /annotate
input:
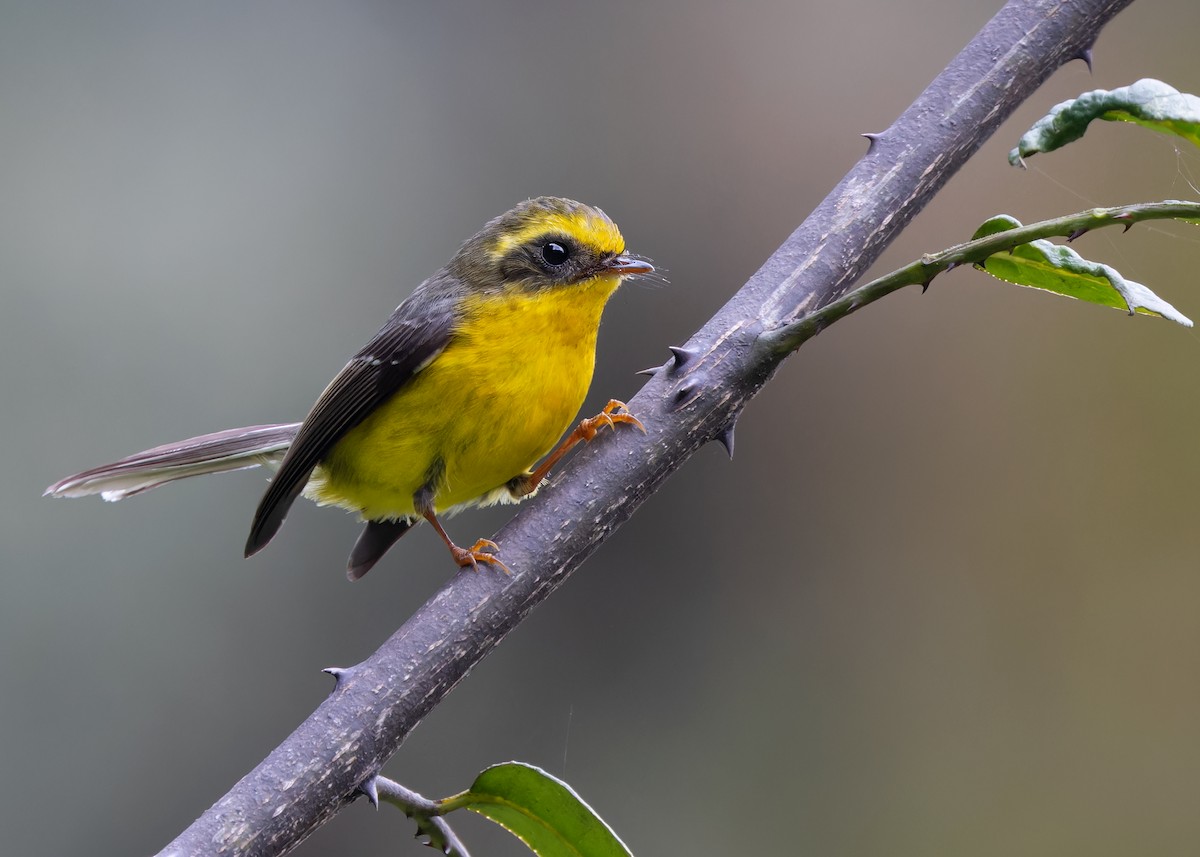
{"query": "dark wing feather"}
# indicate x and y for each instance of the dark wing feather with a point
(415, 334)
(374, 542)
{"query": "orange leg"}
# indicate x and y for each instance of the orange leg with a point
(472, 556)
(614, 412)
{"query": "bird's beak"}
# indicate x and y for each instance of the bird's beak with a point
(628, 266)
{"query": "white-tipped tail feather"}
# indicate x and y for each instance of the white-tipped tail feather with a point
(219, 452)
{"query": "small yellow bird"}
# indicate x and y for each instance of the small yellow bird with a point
(450, 405)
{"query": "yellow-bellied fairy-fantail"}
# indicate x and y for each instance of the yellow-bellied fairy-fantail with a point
(451, 404)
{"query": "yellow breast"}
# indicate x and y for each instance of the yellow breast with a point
(496, 400)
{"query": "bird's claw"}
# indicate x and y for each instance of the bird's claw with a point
(484, 550)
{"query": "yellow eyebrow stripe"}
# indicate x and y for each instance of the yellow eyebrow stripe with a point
(597, 233)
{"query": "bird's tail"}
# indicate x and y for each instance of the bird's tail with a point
(233, 449)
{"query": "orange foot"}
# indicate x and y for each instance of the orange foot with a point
(614, 414)
(484, 550)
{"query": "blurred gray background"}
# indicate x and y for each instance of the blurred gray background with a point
(944, 600)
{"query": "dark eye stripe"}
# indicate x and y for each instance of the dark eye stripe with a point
(552, 258)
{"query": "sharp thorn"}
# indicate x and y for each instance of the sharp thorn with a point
(1128, 226)
(925, 285)
(338, 673)
(650, 371)
(950, 266)
(1086, 56)
(1081, 231)
(684, 394)
(725, 438)
(371, 791)
(682, 356)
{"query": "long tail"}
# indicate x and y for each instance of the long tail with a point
(233, 449)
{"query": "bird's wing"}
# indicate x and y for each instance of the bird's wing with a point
(403, 347)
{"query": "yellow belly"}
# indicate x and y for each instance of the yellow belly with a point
(495, 401)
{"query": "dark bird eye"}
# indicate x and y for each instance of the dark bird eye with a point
(555, 254)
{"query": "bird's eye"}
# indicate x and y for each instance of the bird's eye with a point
(554, 253)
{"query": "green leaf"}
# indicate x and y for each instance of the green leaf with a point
(1051, 267)
(540, 810)
(1148, 102)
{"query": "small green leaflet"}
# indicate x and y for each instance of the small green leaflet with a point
(540, 810)
(1148, 102)
(1042, 264)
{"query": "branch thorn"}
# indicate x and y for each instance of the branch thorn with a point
(340, 674)
(371, 790)
(684, 394)
(682, 356)
(725, 438)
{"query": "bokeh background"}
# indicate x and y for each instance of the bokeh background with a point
(944, 600)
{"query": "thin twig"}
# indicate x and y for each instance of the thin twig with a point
(425, 812)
